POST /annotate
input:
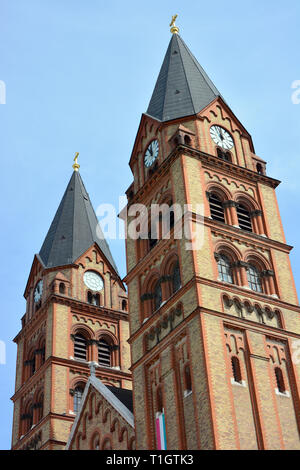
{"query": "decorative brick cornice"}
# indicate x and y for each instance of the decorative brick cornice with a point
(234, 233)
(211, 161)
(76, 305)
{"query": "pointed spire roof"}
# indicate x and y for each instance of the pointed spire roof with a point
(182, 88)
(74, 228)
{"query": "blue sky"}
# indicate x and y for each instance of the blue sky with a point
(79, 74)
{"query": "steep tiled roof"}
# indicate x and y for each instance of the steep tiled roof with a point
(182, 88)
(74, 229)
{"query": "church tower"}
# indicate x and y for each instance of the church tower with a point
(214, 323)
(76, 313)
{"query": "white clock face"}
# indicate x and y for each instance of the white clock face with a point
(93, 281)
(221, 137)
(38, 291)
(151, 153)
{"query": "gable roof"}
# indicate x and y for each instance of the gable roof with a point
(117, 402)
(74, 229)
(183, 88)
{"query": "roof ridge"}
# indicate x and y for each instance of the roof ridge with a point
(187, 81)
(200, 68)
(167, 80)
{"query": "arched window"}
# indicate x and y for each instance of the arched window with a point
(244, 218)
(78, 392)
(93, 299)
(124, 305)
(157, 295)
(31, 362)
(96, 442)
(104, 353)
(259, 168)
(236, 369)
(224, 269)
(176, 281)
(152, 237)
(40, 408)
(80, 347)
(27, 418)
(106, 445)
(187, 379)
(280, 380)
(254, 278)
(30, 417)
(187, 140)
(43, 354)
(224, 155)
(159, 401)
(62, 288)
(167, 218)
(220, 153)
(216, 208)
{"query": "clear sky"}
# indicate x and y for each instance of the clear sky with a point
(78, 75)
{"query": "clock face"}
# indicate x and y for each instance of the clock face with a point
(38, 291)
(221, 137)
(151, 153)
(93, 281)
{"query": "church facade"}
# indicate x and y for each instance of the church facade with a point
(212, 304)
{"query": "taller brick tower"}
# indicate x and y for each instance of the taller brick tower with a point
(76, 312)
(212, 328)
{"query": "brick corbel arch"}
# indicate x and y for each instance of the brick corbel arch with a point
(219, 189)
(96, 432)
(78, 328)
(250, 203)
(230, 250)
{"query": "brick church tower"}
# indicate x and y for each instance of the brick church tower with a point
(76, 313)
(213, 328)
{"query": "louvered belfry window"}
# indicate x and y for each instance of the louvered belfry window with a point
(244, 218)
(216, 208)
(80, 347)
(104, 353)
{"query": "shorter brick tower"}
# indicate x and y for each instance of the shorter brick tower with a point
(76, 312)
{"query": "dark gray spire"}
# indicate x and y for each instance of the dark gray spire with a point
(73, 230)
(182, 88)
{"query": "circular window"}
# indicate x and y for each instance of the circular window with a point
(93, 281)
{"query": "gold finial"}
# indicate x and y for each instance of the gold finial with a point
(174, 29)
(76, 166)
